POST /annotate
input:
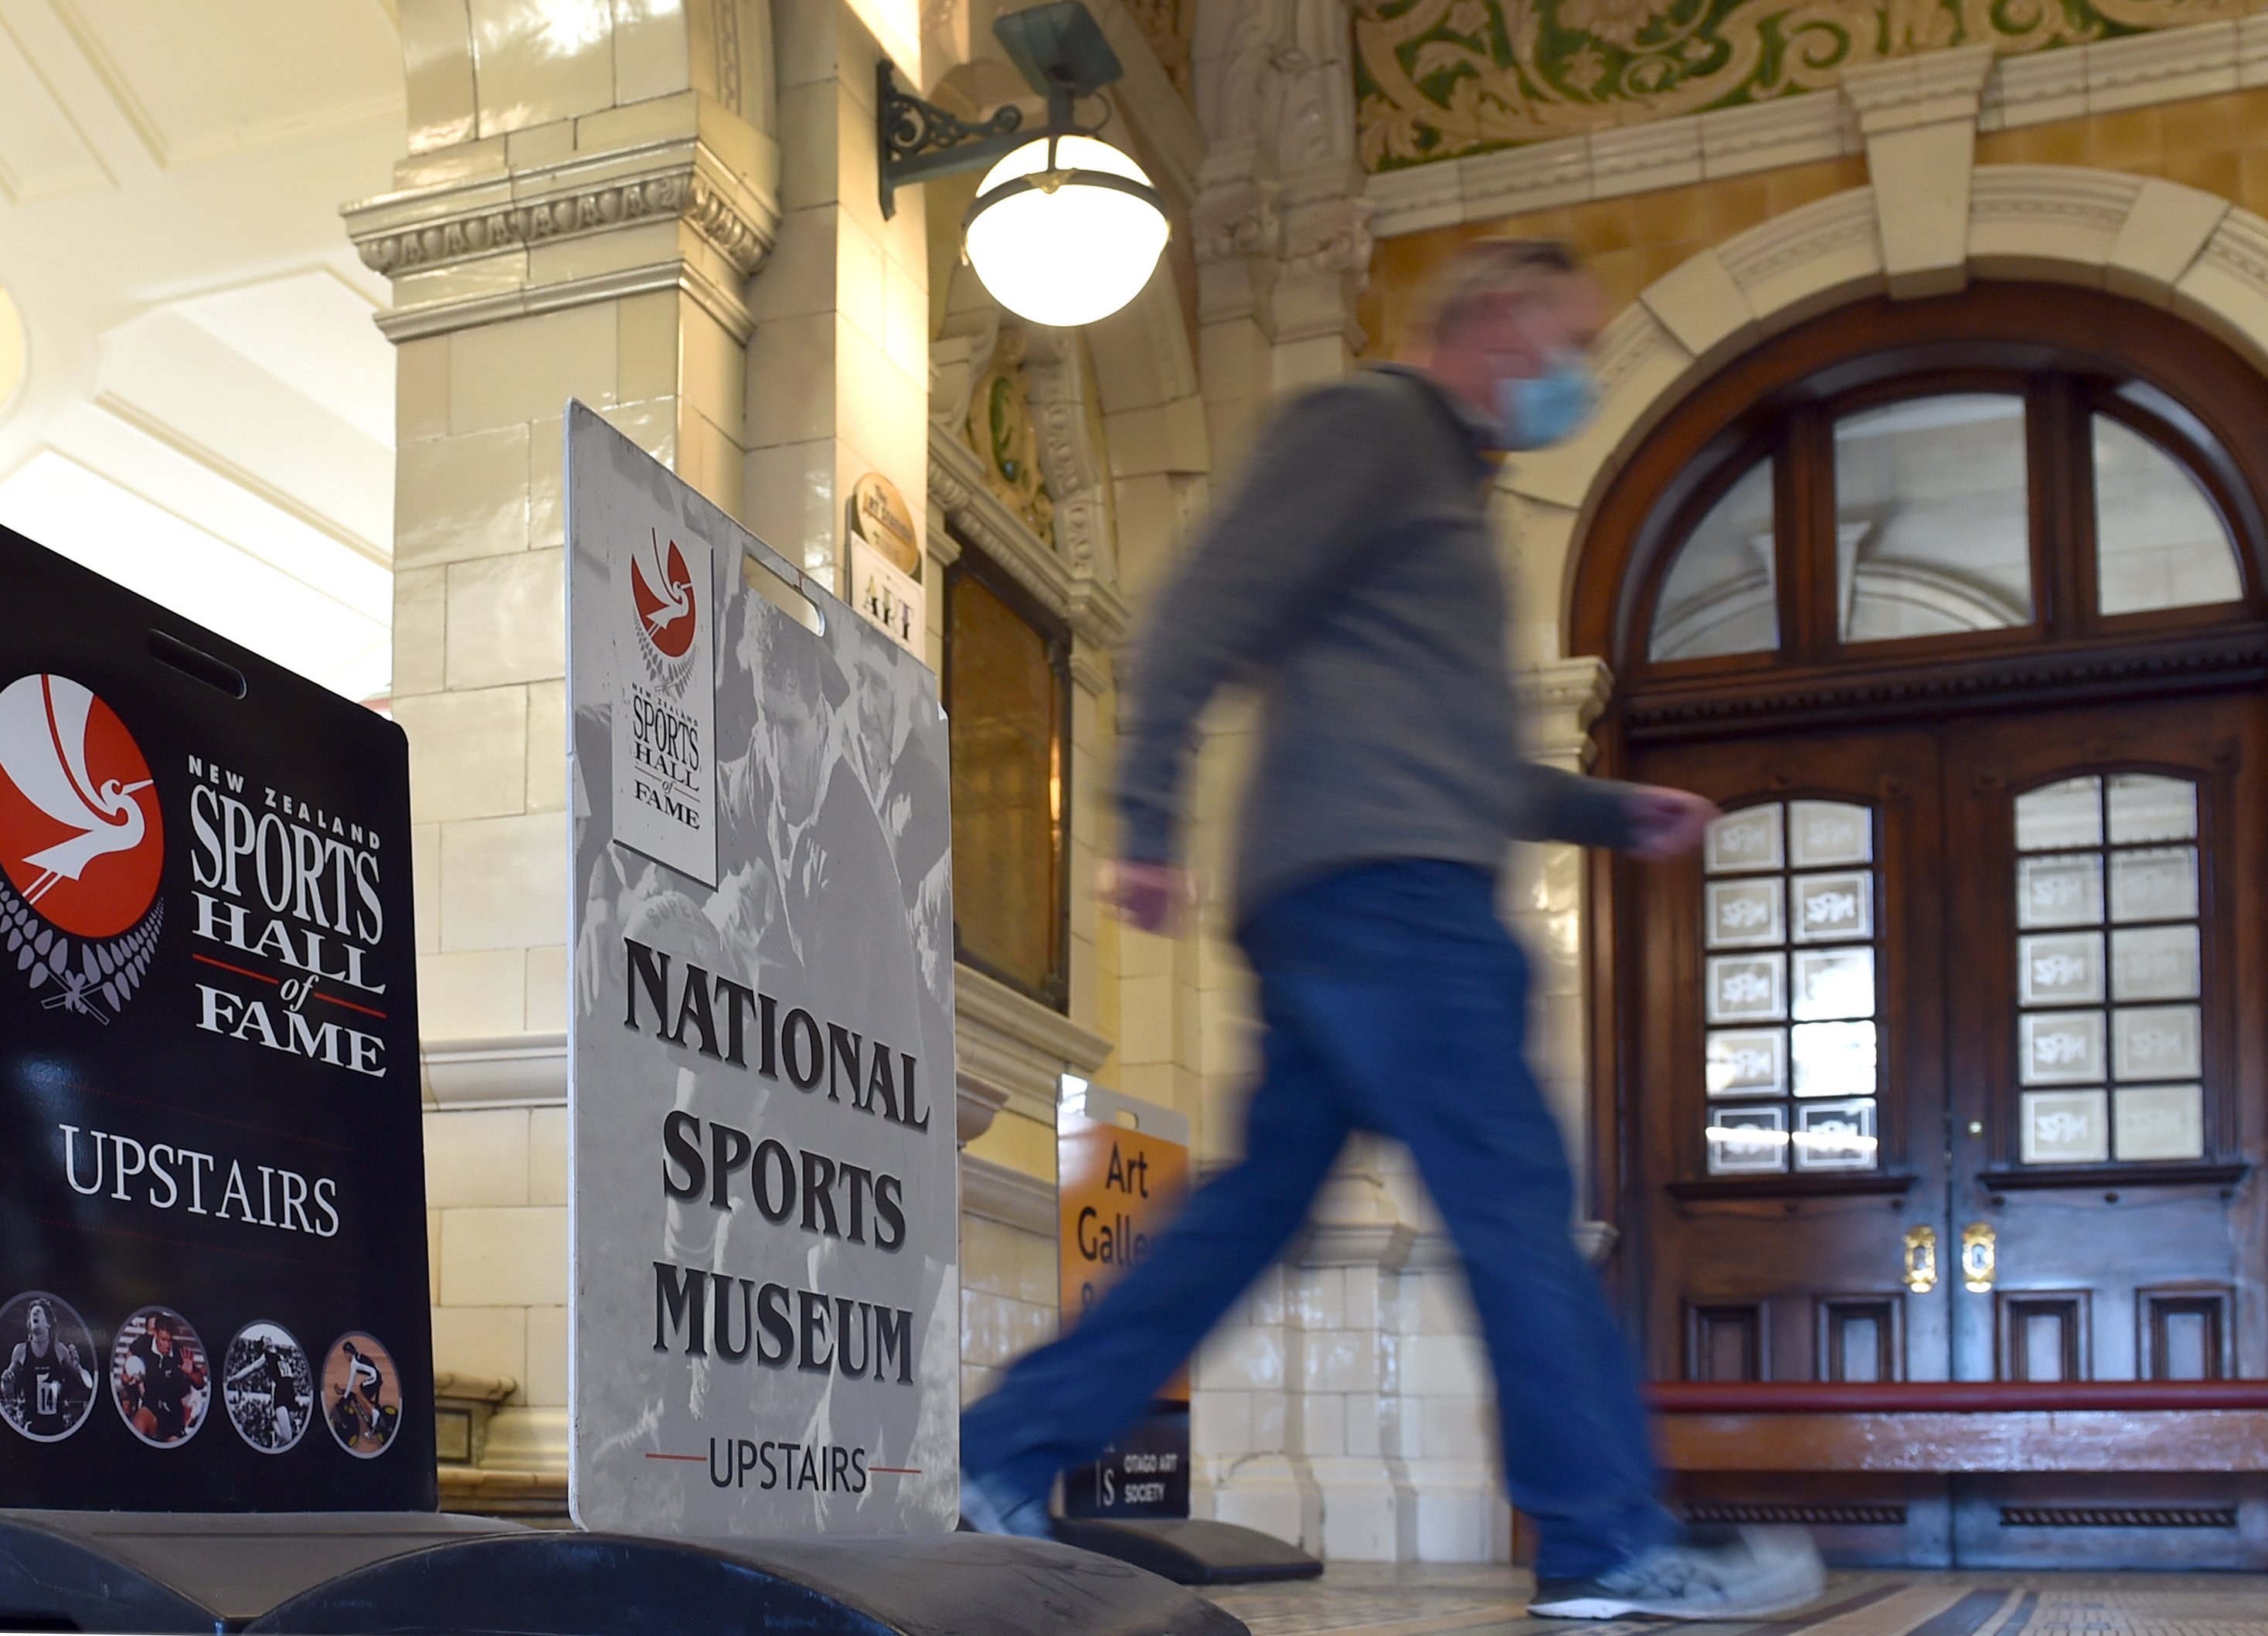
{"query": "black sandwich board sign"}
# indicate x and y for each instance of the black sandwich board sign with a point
(212, 1213)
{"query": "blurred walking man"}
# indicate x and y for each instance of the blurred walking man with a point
(1352, 578)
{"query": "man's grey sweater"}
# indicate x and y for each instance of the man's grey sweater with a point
(1351, 579)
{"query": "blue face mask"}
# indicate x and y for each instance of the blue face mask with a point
(1550, 408)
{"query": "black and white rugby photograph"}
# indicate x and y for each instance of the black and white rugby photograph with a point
(161, 1377)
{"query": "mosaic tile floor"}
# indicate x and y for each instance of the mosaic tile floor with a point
(1361, 1599)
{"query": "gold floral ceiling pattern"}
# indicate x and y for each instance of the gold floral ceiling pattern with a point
(1438, 78)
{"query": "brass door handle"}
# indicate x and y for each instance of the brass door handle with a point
(1921, 1259)
(1979, 1254)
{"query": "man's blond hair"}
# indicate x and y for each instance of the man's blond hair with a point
(1489, 269)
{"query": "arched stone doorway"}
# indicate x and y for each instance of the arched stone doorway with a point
(1935, 1068)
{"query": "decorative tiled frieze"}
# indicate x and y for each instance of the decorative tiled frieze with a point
(2163, 66)
(487, 226)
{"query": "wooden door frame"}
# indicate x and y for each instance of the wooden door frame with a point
(2191, 390)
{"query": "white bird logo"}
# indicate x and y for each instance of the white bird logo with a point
(43, 753)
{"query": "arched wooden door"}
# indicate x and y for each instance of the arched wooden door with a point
(1945, 1061)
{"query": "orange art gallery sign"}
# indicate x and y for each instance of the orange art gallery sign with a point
(1119, 1185)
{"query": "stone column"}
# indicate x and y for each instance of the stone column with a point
(586, 193)
(838, 366)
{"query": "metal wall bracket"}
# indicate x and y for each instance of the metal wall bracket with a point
(917, 140)
(1061, 52)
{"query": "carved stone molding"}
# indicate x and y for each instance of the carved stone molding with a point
(993, 1192)
(1927, 89)
(974, 1106)
(1236, 220)
(462, 223)
(1017, 1047)
(1082, 600)
(1328, 236)
(513, 1071)
(1078, 472)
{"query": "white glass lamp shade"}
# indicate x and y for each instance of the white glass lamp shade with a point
(1071, 255)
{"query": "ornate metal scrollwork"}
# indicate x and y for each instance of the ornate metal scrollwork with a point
(911, 126)
(917, 139)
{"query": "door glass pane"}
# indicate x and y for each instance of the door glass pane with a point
(2159, 883)
(2059, 969)
(1745, 913)
(2066, 1128)
(1786, 943)
(1834, 907)
(2112, 1024)
(1933, 519)
(1743, 1141)
(1720, 596)
(1828, 832)
(1747, 1062)
(2154, 962)
(1747, 988)
(1834, 1059)
(2156, 1043)
(1745, 841)
(1833, 983)
(1835, 1135)
(2056, 816)
(2146, 808)
(2061, 1048)
(2161, 1122)
(2159, 541)
(2060, 890)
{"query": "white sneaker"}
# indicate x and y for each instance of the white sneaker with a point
(1766, 1571)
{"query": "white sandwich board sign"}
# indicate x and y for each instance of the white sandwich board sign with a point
(763, 1218)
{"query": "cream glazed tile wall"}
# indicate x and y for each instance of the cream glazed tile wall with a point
(508, 90)
(1008, 1299)
(1346, 1409)
(837, 380)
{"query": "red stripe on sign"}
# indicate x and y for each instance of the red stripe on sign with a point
(333, 999)
(697, 1459)
(255, 976)
(897, 1471)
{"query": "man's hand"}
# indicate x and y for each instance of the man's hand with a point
(1149, 896)
(1666, 823)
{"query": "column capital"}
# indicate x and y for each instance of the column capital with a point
(499, 243)
(1561, 700)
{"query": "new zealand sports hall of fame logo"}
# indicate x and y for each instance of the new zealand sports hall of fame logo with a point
(668, 612)
(82, 847)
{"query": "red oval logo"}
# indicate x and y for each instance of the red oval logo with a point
(665, 615)
(80, 835)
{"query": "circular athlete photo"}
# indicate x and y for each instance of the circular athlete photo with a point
(159, 1376)
(268, 1387)
(47, 1384)
(361, 1395)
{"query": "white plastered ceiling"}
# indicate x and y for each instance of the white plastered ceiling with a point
(200, 406)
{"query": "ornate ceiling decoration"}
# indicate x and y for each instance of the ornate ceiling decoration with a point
(1438, 78)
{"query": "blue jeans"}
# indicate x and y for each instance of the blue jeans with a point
(1395, 1001)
